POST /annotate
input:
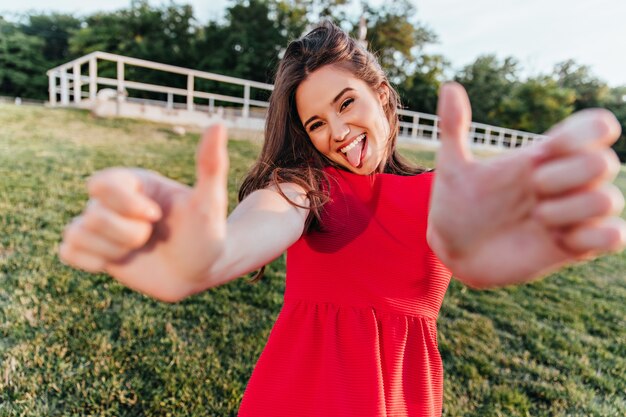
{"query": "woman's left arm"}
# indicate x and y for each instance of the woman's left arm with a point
(522, 215)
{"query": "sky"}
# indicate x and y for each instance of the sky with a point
(538, 33)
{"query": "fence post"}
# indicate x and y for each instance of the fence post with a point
(434, 134)
(170, 101)
(78, 86)
(93, 78)
(120, 81)
(190, 92)
(416, 121)
(246, 101)
(52, 88)
(65, 99)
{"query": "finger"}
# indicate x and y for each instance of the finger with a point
(210, 191)
(78, 237)
(608, 235)
(605, 201)
(576, 171)
(70, 255)
(127, 232)
(121, 190)
(455, 116)
(587, 129)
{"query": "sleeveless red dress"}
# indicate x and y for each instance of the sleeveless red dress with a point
(357, 335)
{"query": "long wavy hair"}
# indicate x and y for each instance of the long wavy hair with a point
(288, 154)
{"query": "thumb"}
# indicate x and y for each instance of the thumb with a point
(455, 116)
(212, 169)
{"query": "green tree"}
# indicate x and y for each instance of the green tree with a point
(420, 90)
(536, 105)
(489, 82)
(616, 102)
(22, 67)
(590, 90)
(396, 38)
(165, 34)
(249, 42)
(335, 10)
(55, 30)
(290, 16)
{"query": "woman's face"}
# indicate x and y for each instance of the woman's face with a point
(345, 118)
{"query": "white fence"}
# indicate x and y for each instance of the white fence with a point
(69, 87)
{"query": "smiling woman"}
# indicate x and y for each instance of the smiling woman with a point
(309, 128)
(371, 241)
(351, 128)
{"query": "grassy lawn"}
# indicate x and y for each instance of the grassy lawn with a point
(72, 343)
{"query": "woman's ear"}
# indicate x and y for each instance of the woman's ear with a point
(383, 93)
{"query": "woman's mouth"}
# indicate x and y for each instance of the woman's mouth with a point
(354, 151)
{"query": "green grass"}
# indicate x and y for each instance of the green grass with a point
(72, 343)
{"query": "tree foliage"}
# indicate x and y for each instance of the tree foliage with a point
(489, 82)
(590, 91)
(250, 40)
(420, 90)
(164, 34)
(247, 44)
(536, 104)
(616, 102)
(21, 63)
(397, 38)
(55, 30)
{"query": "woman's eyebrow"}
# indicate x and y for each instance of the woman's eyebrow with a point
(337, 97)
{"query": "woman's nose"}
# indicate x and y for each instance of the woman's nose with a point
(339, 131)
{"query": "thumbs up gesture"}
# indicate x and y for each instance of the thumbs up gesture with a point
(151, 233)
(524, 214)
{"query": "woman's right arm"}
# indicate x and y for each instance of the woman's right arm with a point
(259, 230)
(167, 240)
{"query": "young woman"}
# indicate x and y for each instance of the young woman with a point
(367, 234)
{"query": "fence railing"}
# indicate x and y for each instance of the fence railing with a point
(76, 80)
(424, 127)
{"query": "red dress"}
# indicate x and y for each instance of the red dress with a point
(357, 335)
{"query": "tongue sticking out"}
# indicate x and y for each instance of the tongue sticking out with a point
(354, 154)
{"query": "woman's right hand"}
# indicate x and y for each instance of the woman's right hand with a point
(153, 234)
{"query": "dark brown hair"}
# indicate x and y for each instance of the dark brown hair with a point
(288, 154)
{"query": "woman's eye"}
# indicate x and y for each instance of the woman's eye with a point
(346, 103)
(314, 126)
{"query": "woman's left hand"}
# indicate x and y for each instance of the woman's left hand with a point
(526, 213)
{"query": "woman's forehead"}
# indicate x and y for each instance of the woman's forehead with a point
(321, 87)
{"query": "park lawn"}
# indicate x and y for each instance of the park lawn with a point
(72, 343)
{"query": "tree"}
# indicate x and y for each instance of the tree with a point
(290, 16)
(536, 105)
(590, 91)
(616, 102)
(420, 90)
(22, 67)
(395, 36)
(164, 34)
(249, 42)
(334, 10)
(488, 82)
(55, 31)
